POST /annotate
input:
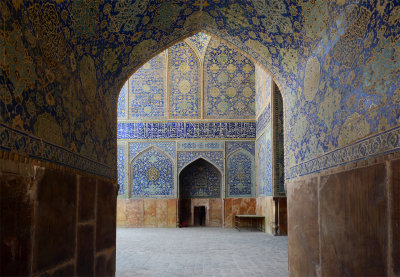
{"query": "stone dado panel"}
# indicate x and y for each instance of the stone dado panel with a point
(339, 223)
(43, 233)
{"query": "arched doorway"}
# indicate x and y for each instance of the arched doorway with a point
(200, 185)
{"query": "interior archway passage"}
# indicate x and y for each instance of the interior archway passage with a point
(200, 189)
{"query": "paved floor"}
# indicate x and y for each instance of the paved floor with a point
(200, 252)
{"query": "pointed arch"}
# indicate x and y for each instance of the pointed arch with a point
(200, 179)
(147, 149)
(180, 168)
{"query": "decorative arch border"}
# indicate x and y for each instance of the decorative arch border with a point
(201, 155)
(148, 149)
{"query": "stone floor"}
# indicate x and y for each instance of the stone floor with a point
(200, 252)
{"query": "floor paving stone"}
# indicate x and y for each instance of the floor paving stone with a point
(201, 251)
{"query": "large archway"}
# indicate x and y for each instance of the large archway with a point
(200, 185)
(63, 65)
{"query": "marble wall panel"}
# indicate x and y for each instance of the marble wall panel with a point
(229, 220)
(122, 220)
(353, 209)
(150, 212)
(215, 217)
(34, 219)
(303, 230)
(172, 212)
(134, 212)
(162, 212)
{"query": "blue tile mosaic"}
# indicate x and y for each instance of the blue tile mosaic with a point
(337, 74)
(215, 157)
(200, 42)
(167, 146)
(121, 170)
(229, 80)
(263, 89)
(200, 145)
(147, 90)
(231, 146)
(184, 82)
(240, 175)
(152, 174)
(181, 130)
(264, 119)
(122, 102)
(264, 163)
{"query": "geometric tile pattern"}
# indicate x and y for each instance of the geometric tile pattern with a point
(240, 175)
(146, 90)
(33, 147)
(200, 179)
(184, 81)
(229, 82)
(152, 174)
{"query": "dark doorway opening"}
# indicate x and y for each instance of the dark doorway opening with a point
(199, 216)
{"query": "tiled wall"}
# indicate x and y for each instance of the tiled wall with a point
(152, 168)
(172, 85)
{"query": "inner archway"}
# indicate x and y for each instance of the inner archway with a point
(200, 202)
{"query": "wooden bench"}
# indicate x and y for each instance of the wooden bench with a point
(259, 220)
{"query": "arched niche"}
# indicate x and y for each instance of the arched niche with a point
(152, 174)
(240, 174)
(200, 179)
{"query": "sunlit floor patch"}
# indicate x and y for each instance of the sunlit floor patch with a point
(200, 252)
